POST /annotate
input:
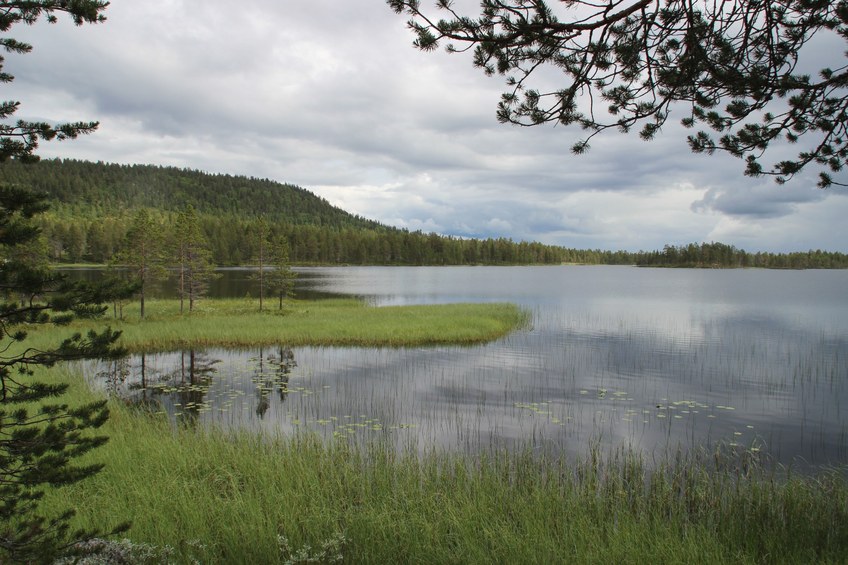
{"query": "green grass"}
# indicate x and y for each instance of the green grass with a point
(226, 497)
(346, 322)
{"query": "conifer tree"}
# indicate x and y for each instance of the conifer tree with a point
(193, 258)
(280, 278)
(20, 139)
(40, 437)
(740, 69)
(143, 252)
(261, 235)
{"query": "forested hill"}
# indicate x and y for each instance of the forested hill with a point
(92, 205)
(88, 189)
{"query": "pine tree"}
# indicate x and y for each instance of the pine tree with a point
(143, 252)
(261, 235)
(280, 279)
(193, 258)
(20, 140)
(735, 68)
(39, 436)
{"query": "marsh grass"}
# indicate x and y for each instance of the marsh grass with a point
(238, 323)
(248, 497)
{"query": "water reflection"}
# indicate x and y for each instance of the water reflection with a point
(651, 359)
(177, 383)
(276, 379)
(775, 391)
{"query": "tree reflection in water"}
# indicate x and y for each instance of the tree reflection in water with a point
(277, 377)
(181, 383)
(194, 375)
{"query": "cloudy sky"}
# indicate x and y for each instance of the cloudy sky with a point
(330, 95)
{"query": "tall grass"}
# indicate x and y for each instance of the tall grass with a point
(217, 496)
(238, 323)
(228, 497)
(327, 322)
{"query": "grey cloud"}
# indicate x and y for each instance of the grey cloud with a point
(760, 201)
(331, 96)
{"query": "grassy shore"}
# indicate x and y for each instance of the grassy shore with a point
(220, 497)
(212, 496)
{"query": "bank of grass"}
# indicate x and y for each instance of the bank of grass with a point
(221, 497)
(341, 322)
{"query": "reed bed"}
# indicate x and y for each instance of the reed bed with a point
(205, 495)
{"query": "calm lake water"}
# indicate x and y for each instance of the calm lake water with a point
(651, 359)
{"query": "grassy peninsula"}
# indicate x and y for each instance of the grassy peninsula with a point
(340, 322)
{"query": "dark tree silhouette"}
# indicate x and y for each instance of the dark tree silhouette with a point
(40, 437)
(20, 139)
(735, 66)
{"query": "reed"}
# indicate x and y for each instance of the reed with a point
(248, 497)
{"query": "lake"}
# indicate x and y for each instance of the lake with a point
(651, 359)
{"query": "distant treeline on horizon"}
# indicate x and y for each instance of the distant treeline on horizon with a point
(91, 204)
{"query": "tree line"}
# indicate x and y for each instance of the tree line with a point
(720, 255)
(74, 241)
(151, 250)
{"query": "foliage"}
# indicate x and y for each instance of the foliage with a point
(143, 252)
(331, 551)
(261, 233)
(94, 204)
(19, 140)
(192, 257)
(280, 279)
(274, 273)
(40, 438)
(736, 67)
(720, 255)
(102, 190)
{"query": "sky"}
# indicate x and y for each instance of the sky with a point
(331, 96)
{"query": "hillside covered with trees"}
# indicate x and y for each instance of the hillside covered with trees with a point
(92, 206)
